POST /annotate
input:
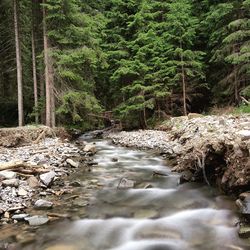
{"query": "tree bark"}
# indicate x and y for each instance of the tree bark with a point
(183, 84)
(19, 68)
(34, 75)
(46, 63)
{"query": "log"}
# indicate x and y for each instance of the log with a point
(11, 165)
(40, 136)
(23, 167)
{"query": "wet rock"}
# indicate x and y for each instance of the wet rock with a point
(244, 231)
(76, 184)
(43, 204)
(62, 247)
(11, 183)
(245, 134)
(6, 215)
(72, 163)
(22, 192)
(19, 217)
(7, 174)
(114, 159)
(25, 238)
(125, 183)
(186, 176)
(243, 203)
(90, 148)
(37, 220)
(33, 182)
(47, 178)
(145, 213)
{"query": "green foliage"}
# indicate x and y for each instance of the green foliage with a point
(242, 109)
(130, 56)
(79, 109)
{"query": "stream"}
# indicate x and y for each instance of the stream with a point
(137, 203)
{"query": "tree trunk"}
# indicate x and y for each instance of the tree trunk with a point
(52, 96)
(46, 63)
(183, 84)
(34, 75)
(19, 67)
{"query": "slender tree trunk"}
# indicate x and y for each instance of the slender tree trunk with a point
(183, 85)
(42, 95)
(46, 63)
(19, 68)
(34, 75)
(52, 96)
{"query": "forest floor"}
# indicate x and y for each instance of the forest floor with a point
(211, 149)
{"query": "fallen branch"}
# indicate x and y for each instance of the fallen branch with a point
(245, 100)
(42, 134)
(23, 167)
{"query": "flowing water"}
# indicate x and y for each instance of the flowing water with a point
(157, 213)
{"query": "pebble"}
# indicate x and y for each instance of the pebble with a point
(37, 220)
(19, 216)
(33, 182)
(90, 148)
(5, 174)
(47, 178)
(11, 182)
(245, 134)
(43, 204)
(22, 192)
(125, 183)
(72, 163)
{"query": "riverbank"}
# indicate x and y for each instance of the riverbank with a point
(34, 167)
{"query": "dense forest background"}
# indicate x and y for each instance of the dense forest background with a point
(67, 61)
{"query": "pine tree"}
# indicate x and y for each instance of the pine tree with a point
(186, 65)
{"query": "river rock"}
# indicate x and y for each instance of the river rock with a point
(62, 247)
(33, 182)
(19, 216)
(125, 183)
(5, 174)
(245, 134)
(90, 148)
(114, 159)
(43, 204)
(11, 183)
(47, 178)
(243, 203)
(244, 231)
(22, 192)
(72, 163)
(37, 220)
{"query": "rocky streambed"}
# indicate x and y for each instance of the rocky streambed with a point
(34, 178)
(210, 149)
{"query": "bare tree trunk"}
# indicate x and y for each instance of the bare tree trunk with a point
(46, 63)
(52, 96)
(183, 85)
(19, 68)
(34, 76)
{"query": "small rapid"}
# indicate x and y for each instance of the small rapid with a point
(151, 211)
